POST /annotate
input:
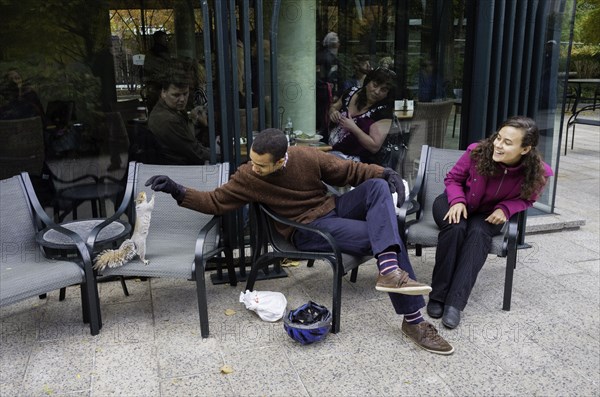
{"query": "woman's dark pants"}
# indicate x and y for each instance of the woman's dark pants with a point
(462, 249)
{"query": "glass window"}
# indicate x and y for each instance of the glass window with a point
(90, 63)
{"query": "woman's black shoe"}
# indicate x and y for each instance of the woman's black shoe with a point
(435, 308)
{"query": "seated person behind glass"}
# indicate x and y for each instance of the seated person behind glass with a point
(361, 66)
(173, 129)
(21, 99)
(14, 106)
(431, 86)
(363, 116)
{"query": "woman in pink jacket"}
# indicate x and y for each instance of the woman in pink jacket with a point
(493, 180)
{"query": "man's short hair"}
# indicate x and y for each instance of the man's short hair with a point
(165, 84)
(271, 141)
(176, 74)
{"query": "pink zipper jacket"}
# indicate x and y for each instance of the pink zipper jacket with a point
(483, 194)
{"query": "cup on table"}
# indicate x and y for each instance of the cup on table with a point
(142, 113)
(404, 104)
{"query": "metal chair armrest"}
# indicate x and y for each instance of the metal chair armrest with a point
(324, 234)
(45, 219)
(573, 118)
(409, 207)
(201, 242)
(511, 233)
(91, 239)
(92, 311)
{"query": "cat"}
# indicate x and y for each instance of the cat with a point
(136, 245)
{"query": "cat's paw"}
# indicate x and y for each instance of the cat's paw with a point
(146, 261)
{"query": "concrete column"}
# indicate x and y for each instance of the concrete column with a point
(296, 62)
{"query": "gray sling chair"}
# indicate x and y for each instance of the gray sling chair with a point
(268, 235)
(180, 241)
(25, 271)
(423, 231)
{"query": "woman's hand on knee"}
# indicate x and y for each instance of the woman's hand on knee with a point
(455, 212)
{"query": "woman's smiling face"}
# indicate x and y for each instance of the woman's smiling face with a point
(507, 146)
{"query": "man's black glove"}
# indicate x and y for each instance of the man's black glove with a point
(162, 183)
(395, 182)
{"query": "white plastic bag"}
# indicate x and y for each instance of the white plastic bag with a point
(270, 306)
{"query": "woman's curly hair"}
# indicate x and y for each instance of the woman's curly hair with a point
(535, 175)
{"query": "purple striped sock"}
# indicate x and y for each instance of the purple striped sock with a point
(387, 262)
(414, 318)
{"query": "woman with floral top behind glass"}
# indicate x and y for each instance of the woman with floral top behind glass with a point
(363, 116)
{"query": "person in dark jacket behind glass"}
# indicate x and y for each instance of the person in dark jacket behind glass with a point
(173, 129)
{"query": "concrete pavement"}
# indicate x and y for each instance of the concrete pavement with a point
(150, 345)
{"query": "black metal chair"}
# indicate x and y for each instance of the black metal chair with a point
(267, 235)
(56, 245)
(71, 190)
(22, 147)
(580, 117)
(22, 150)
(423, 231)
(127, 108)
(87, 179)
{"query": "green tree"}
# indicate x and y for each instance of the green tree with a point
(587, 28)
(585, 55)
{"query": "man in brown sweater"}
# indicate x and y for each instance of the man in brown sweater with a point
(362, 221)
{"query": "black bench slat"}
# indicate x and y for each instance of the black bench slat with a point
(587, 121)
